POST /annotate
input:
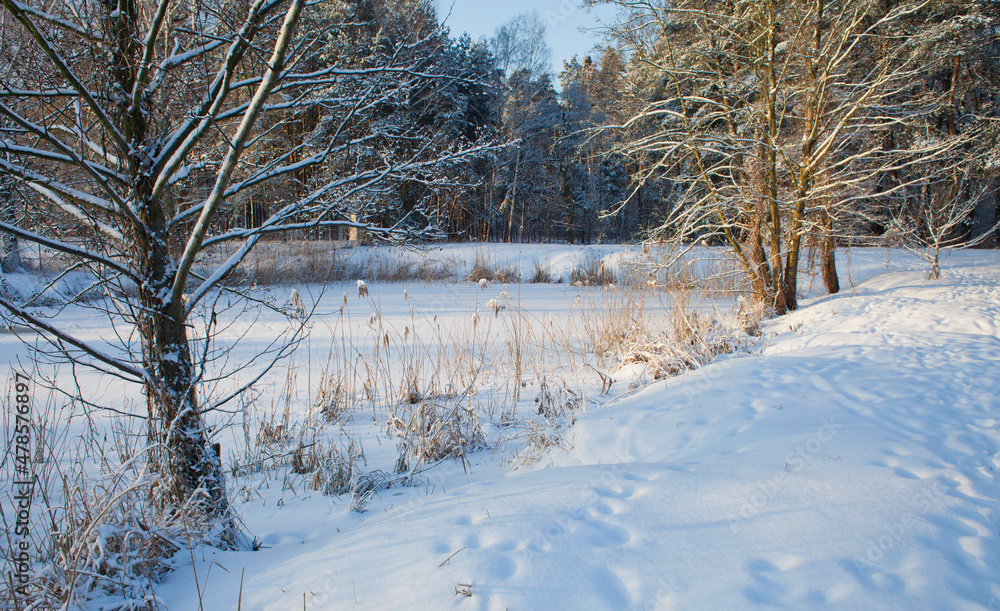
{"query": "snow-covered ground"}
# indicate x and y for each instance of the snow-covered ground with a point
(850, 461)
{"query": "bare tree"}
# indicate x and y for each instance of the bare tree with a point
(769, 120)
(936, 211)
(938, 222)
(521, 44)
(947, 201)
(142, 128)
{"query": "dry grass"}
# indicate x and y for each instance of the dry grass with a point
(557, 406)
(501, 377)
(432, 430)
(425, 386)
(750, 313)
(95, 531)
(592, 271)
(277, 263)
(393, 269)
(288, 263)
(305, 262)
(556, 401)
(485, 269)
(542, 274)
(622, 332)
(335, 466)
(334, 399)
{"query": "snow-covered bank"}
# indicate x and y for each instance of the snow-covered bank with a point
(852, 464)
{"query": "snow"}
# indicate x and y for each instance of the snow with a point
(849, 462)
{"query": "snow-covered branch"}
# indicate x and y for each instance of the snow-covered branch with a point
(74, 251)
(215, 199)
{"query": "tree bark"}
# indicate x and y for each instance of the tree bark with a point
(828, 255)
(754, 249)
(179, 441)
(178, 436)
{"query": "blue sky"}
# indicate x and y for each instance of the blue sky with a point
(562, 17)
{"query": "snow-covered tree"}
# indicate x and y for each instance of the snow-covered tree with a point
(769, 119)
(409, 116)
(596, 173)
(529, 180)
(936, 202)
(144, 128)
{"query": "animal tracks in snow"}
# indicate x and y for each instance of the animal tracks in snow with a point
(853, 464)
(604, 534)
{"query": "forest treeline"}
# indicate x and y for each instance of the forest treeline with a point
(767, 126)
(832, 119)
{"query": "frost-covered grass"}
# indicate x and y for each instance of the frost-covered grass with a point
(390, 384)
(398, 456)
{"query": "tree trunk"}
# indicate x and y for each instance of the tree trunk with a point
(784, 294)
(179, 446)
(181, 451)
(512, 198)
(768, 200)
(761, 273)
(828, 255)
(10, 254)
(570, 209)
(790, 280)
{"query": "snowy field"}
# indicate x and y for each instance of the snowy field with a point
(847, 458)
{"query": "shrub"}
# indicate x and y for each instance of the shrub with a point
(483, 269)
(542, 274)
(592, 272)
(433, 430)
